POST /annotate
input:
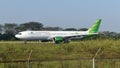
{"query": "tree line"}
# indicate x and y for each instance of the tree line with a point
(8, 30)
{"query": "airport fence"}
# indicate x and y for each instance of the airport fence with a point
(66, 63)
(29, 62)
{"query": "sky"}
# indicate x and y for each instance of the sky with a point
(62, 13)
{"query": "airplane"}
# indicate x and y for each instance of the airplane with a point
(57, 36)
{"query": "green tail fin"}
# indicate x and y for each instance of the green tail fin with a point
(95, 27)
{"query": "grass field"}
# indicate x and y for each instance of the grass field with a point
(48, 51)
(17, 50)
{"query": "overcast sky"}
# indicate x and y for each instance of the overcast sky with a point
(62, 13)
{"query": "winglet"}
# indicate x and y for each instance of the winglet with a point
(95, 26)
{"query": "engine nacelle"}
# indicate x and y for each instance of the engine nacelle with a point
(58, 39)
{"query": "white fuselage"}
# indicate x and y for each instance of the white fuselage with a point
(48, 35)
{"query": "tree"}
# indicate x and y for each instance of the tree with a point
(83, 29)
(31, 26)
(10, 28)
(70, 29)
(52, 28)
(1, 29)
(118, 36)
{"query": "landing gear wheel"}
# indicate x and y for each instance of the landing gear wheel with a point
(67, 41)
(25, 42)
(56, 42)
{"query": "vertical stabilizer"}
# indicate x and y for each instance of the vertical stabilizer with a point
(95, 27)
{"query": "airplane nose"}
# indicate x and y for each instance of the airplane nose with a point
(17, 36)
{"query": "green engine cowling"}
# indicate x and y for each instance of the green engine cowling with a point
(58, 39)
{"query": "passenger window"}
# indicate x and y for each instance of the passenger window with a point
(31, 32)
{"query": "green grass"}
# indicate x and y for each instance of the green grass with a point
(104, 63)
(50, 51)
(52, 54)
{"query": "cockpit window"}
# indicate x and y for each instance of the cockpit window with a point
(19, 33)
